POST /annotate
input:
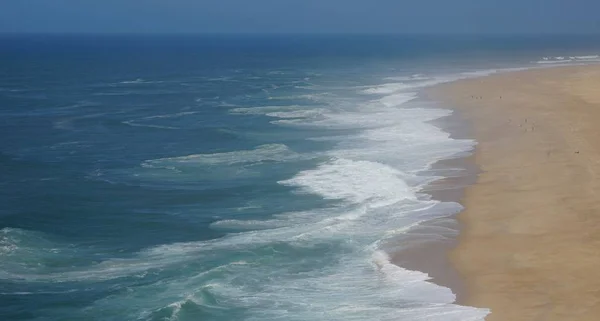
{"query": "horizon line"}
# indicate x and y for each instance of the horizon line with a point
(227, 33)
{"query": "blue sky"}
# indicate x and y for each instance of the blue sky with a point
(301, 16)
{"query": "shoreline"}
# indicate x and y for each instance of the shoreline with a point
(431, 255)
(530, 230)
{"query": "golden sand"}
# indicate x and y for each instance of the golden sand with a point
(530, 248)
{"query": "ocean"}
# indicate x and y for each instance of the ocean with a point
(233, 177)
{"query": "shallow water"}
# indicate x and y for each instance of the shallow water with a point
(205, 178)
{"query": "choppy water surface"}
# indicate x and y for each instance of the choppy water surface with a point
(236, 178)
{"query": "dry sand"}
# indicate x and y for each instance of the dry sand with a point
(530, 246)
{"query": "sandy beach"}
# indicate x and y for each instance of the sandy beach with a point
(530, 244)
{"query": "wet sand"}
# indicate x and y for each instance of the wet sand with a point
(529, 248)
(425, 248)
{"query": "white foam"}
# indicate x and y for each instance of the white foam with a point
(323, 264)
(419, 82)
(8, 244)
(362, 285)
(264, 109)
(136, 81)
(354, 181)
(297, 113)
(135, 124)
(569, 60)
(587, 57)
(312, 97)
(375, 169)
(386, 88)
(122, 93)
(269, 152)
(139, 81)
(175, 115)
(68, 123)
(377, 118)
(247, 225)
(414, 77)
(397, 99)
(351, 289)
(293, 111)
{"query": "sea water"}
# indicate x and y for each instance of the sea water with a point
(231, 177)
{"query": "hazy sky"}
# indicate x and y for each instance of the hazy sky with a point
(304, 16)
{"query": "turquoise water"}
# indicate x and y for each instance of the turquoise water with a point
(230, 178)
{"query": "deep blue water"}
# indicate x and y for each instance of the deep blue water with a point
(229, 177)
